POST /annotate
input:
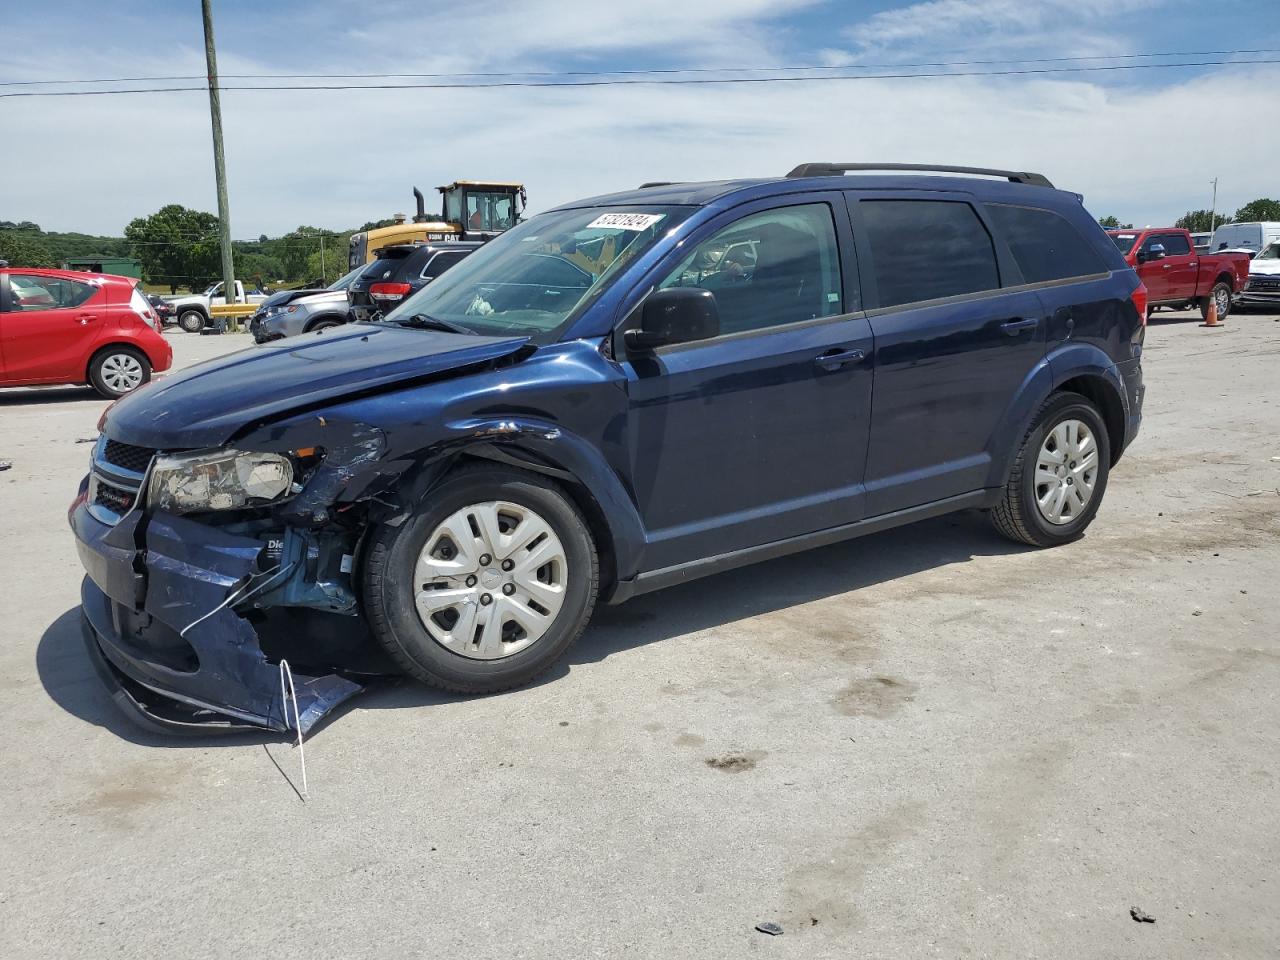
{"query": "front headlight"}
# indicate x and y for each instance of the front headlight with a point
(217, 480)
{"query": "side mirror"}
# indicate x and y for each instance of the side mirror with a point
(674, 315)
(1156, 251)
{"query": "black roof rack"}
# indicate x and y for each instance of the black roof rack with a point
(836, 169)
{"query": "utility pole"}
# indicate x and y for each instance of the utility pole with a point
(324, 274)
(1213, 209)
(219, 159)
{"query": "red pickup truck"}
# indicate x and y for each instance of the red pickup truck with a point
(1177, 275)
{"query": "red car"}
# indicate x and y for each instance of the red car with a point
(63, 326)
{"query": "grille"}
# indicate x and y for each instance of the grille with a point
(127, 456)
(1264, 284)
(113, 498)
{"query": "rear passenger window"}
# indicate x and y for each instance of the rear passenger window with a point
(927, 249)
(1175, 245)
(1044, 245)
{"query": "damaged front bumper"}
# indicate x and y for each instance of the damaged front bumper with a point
(169, 607)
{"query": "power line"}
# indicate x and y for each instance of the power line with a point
(648, 71)
(699, 81)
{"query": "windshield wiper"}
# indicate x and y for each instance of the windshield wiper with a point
(422, 321)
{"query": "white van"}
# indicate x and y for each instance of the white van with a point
(1244, 236)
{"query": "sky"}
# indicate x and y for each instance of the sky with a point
(1142, 145)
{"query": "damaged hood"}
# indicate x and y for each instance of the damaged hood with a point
(204, 405)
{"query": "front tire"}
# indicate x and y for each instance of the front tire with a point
(323, 325)
(487, 585)
(1059, 476)
(1221, 293)
(192, 321)
(118, 370)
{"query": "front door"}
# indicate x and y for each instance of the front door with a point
(1179, 266)
(760, 433)
(45, 324)
(951, 349)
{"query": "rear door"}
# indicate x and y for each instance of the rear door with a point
(49, 325)
(951, 347)
(758, 434)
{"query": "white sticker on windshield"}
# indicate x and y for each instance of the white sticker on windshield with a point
(625, 221)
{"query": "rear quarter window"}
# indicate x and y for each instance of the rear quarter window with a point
(1045, 246)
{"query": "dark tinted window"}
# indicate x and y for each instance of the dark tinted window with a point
(925, 249)
(1046, 246)
(1175, 244)
(442, 262)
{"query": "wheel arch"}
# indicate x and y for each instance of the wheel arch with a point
(1079, 367)
(544, 449)
(100, 349)
(340, 318)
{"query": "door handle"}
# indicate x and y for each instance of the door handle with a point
(1015, 327)
(86, 317)
(1166, 266)
(835, 359)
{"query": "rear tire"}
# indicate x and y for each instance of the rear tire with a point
(117, 371)
(1042, 502)
(1222, 293)
(192, 321)
(430, 602)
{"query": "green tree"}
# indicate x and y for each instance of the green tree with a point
(25, 251)
(1261, 209)
(177, 246)
(1201, 221)
(1111, 223)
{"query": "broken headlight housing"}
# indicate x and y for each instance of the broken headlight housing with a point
(217, 480)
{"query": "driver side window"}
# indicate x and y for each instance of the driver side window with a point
(768, 269)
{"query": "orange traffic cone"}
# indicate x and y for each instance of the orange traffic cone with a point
(1211, 320)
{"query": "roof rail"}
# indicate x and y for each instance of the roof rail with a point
(658, 183)
(836, 169)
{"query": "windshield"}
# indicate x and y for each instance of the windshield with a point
(531, 279)
(345, 281)
(1124, 241)
(1270, 253)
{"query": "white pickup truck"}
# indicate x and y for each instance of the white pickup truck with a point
(193, 311)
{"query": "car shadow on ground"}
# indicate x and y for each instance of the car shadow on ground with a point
(27, 396)
(719, 601)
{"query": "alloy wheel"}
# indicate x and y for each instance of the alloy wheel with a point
(490, 580)
(1066, 471)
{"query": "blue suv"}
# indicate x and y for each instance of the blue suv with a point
(620, 394)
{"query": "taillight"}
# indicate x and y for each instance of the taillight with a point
(1140, 298)
(389, 291)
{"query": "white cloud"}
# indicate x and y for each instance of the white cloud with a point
(338, 159)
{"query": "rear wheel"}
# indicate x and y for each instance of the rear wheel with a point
(118, 370)
(1221, 295)
(192, 321)
(1060, 474)
(487, 586)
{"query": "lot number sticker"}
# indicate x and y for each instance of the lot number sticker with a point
(625, 221)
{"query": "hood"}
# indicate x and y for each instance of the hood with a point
(281, 297)
(1264, 268)
(205, 405)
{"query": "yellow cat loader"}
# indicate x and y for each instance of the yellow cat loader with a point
(471, 210)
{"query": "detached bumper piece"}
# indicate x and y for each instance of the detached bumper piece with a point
(168, 644)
